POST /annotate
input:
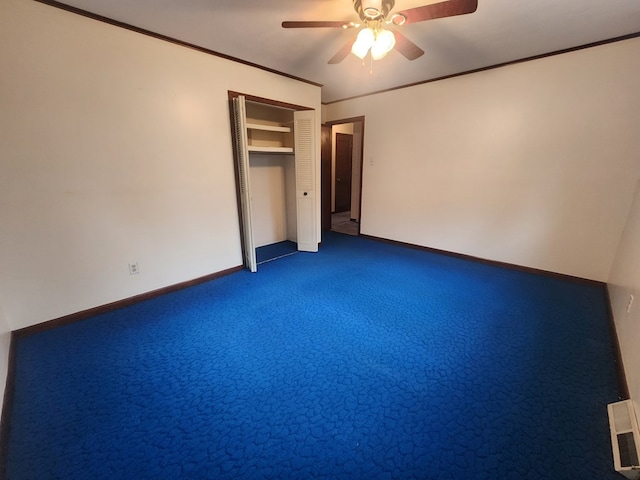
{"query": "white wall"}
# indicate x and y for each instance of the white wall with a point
(273, 207)
(532, 164)
(115, 147)
(624, 281)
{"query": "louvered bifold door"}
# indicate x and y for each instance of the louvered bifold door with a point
(240, 116)
(305, 153)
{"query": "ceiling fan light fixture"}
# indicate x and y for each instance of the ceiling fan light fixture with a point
(376, 14)
(365, 40)
(384, 43)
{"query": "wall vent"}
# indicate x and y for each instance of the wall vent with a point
(625, 438)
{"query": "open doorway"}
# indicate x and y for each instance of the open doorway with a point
(342, 153)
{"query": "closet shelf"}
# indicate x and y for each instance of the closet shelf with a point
(254, 148)
(268, 128)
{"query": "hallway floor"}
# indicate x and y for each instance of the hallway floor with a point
(341, 223)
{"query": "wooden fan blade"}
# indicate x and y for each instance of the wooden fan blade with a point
(449, 8)
(342, 53)
(318, 24)
(406, 47)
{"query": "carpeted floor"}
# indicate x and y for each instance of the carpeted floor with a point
(362, 361)
(275, 251)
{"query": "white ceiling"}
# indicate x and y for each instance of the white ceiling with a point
(499, 31)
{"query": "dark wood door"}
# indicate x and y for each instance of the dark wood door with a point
(344, 151)
(325, 178)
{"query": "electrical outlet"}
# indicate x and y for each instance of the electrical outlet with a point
(134, 269)
(631, 298)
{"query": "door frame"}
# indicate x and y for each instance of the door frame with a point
(255, 99)
(325, 186)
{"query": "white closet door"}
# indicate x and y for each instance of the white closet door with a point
(305, 152)
(240, 118)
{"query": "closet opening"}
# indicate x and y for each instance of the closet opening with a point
(274, 160)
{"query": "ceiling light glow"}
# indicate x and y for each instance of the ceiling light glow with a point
(366, 38)
(379, 42)
(385, 41)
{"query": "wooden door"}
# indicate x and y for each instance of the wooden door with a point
(344, 152)
(325, 178)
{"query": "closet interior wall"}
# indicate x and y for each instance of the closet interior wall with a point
(272, 173)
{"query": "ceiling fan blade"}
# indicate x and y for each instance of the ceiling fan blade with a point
(449, 8)
(318, 25)
(342, 53)
(406, 47)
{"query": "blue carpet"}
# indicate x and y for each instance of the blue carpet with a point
(363, 361)
(275, 250)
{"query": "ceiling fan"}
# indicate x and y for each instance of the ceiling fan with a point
(375, 15)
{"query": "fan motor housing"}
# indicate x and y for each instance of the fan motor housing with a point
(373, 9)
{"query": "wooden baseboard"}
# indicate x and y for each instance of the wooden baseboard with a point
(496, 263)
(623, 386)
(91, 312)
